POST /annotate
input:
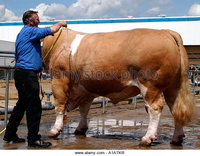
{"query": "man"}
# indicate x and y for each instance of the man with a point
(28, 64)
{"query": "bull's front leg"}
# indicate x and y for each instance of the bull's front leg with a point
(154, 107)
(59, 88)
(152, 128)
(83, 124)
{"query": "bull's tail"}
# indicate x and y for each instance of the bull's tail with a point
(184, 104)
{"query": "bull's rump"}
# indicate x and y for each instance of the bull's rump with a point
(139, 50)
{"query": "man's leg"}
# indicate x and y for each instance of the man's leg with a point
(33, 112)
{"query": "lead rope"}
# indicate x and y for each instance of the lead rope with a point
(70, 52)
(2, 131)
(49, 51)
(53, 45)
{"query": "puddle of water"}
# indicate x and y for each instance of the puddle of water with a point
(121, 130)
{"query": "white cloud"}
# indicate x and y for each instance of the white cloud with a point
(89, 9)
(7, 15)
(83, 9)
(103, 8)
(49, 12)
(154, 11)
(57, 11)
(41, 8)
(194, 10)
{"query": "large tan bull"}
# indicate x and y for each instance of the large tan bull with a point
(119, 65)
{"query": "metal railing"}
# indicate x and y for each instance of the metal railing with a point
(104, 101)
(7, 69)
(195, 77)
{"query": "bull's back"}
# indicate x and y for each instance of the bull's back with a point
(139, 48)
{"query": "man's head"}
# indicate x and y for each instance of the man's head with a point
(31, 18)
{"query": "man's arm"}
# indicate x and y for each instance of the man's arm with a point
(54, 28)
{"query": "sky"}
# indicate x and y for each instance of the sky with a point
(12, 10)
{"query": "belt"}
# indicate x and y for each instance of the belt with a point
(20, 69)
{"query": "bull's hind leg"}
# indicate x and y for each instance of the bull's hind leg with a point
(59, 92)
(154, 106)
(170, 97)
(83, 124)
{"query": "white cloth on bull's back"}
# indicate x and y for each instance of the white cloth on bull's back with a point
(76, 42)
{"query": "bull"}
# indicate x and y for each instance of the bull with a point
(119, 65)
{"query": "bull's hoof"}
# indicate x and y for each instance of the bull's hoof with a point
(145, 142)
(54, 134)
(81, 132)
(177, 142)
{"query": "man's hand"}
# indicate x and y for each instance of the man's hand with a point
(57, 26)
(63, 24)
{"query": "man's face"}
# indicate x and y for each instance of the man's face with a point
(34, 21)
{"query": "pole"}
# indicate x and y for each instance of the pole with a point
(104, 103)
(6, 97)
(135, 102)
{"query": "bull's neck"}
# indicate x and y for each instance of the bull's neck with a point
(50, 45)
(61, 48)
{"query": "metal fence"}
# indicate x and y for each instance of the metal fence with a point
(6, 62)
(6, 73)
(6, 67)
(194, 76)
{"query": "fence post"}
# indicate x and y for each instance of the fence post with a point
(6, 97)
(104, 103)
(135, 102)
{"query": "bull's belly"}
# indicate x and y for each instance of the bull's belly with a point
(124, 94)
(103, 88)
(112, 89)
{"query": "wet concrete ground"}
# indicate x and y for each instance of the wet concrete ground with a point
(120, 128)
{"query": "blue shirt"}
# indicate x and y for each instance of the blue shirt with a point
(28, 49)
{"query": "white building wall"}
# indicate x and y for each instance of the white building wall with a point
(189, 30)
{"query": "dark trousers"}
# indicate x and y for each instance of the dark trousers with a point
(27, 85)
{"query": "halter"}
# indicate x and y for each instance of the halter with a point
(53, 45)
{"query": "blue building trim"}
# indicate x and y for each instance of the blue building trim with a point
(117, 20)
